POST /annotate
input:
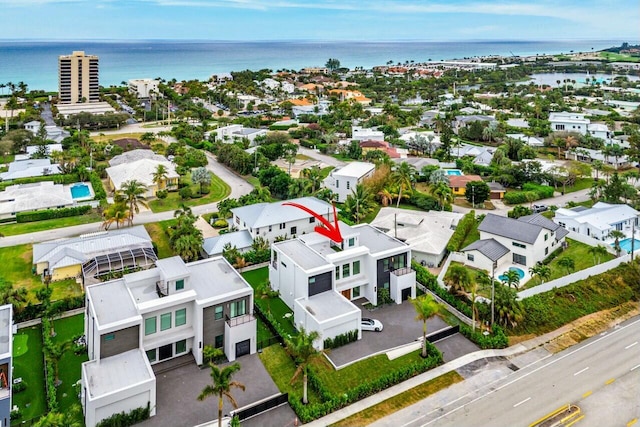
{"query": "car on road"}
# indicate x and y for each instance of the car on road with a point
(371, 324)
(539, 208)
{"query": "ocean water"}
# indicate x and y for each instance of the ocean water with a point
(36, 62)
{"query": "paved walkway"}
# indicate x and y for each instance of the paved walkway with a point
(453, 365)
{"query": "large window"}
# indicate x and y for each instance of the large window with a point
(519, 259)
(238, 308)
(165, 321)
(219, 312)
(355, 293)
(356, 267)
(219, 341)
(181, 317)
(179, 284)
(151, 355)
(181, 346)
(345, 270)
(150, 325)
(337, 272)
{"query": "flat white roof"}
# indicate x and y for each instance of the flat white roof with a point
(328, 305)
(39, 195)
(300, 253)
(116, 373)
(111, 302)
(354, 169)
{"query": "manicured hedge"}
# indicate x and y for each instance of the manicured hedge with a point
(52, 213)
(340, 340)
(125, 419)
(34, 311)
(465, 226)
(530, 192)
(96, 183)
(58, 179)
(424, 277)
(497, 339)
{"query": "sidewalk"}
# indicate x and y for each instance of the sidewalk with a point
(436, 372)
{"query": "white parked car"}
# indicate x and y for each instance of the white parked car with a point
(371, 324)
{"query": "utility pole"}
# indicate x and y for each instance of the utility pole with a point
(633, 236)
(493, 293)
(395, 224)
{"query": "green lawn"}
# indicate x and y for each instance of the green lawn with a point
(324, 172)
(16, 269)
(581, 184)
(218, 190)
(30, 367)
(619, 57)
(581, 257)
(49, 224)
(252, 180)
(70, 363)
(160, 238)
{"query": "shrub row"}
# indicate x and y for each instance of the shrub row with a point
(529, 193)
(52, 213)
(465, 226)
(310, 412)
(50, 377)
(340, 340)
(124, 419)
(96, 183)
(496, 340)
(34, 311)
(425, 202)
(69, 178)
(275, 325)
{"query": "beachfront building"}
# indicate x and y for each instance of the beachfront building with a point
(94, 255)
(144, 88)
(342, 181)
(140, 165)
(6, 363)
(153, 316)
(78, 78)
(506, 241)
(598, 221)
(319, 278)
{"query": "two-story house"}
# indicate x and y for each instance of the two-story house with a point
(568, 122)
(6, 367)
(524, 241)
(318, 278)
(598, 221)
(342, 181)
(151, 316)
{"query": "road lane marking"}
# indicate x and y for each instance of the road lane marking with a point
(635, 367)
(632, 422)
(587, 394)
(581, 371)
(520, 403)
(610, 381)
(630, 345)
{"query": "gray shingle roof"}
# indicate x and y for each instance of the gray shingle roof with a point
(240, 239)
(541, 220)
(510, 228)
(490, 248)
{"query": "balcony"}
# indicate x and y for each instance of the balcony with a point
(402, 271)
(239, 320)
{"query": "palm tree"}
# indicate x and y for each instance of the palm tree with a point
(133, 192)
(457, 278)
(403, 177)
(12, 295)
(568, 263)
(117, 213)
(359, 203)
(425, 307)
(617, 235)
(314, 175)
(597, 252)
(160, 176)
(509, 310)
(542, 271)
(221, 387)
(438, 176)
(472, 287)
(511, 278)
(442, 192)
(301, 349)
(299, 188)
(386, 197)
(202, 177)
(58, 419)
(188, 246)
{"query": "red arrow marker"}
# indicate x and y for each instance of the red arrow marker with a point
(332, 231)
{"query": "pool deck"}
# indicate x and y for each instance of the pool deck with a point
(91, 195)
(523, 279)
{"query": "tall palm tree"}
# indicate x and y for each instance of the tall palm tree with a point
(133, 192)
(314, 175)
(160, 176)
(617, 235)
(188, 246)
(542, 271)
(511, 278)
(472, 288)
(403, 177)
(509, 310)
(13, 295)
(301, 349)
(442, 192)
(598, 252)
(425, 307)
(568, 263)
(221, 387)
(457, 278)
(117, 213)
(386, 197)
(359, 203)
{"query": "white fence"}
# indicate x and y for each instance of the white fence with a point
(591, 241)
(574, 277)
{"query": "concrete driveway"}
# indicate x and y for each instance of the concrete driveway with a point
(177, 391)
(400, 327)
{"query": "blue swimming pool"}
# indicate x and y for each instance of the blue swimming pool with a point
(626, 244)
(520, 272)
(80, 191)
(456, 172)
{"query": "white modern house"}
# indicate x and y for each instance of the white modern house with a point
(318, 278)
(426, 233)
(598, 221)
(568, 122)
(151, 316)
(342, 181)
(506, 241)
(6, 363)
(360, 133)
(233, 133)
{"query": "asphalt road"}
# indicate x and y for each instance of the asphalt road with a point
(587, 375)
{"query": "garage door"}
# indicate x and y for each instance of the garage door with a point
(243, 347)
(406, 294)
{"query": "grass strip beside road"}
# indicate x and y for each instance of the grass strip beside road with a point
(400, 401)
(15, 229)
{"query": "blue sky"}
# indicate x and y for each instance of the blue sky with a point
(438, 20)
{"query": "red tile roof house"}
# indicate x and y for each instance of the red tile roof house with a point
(370, 145)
